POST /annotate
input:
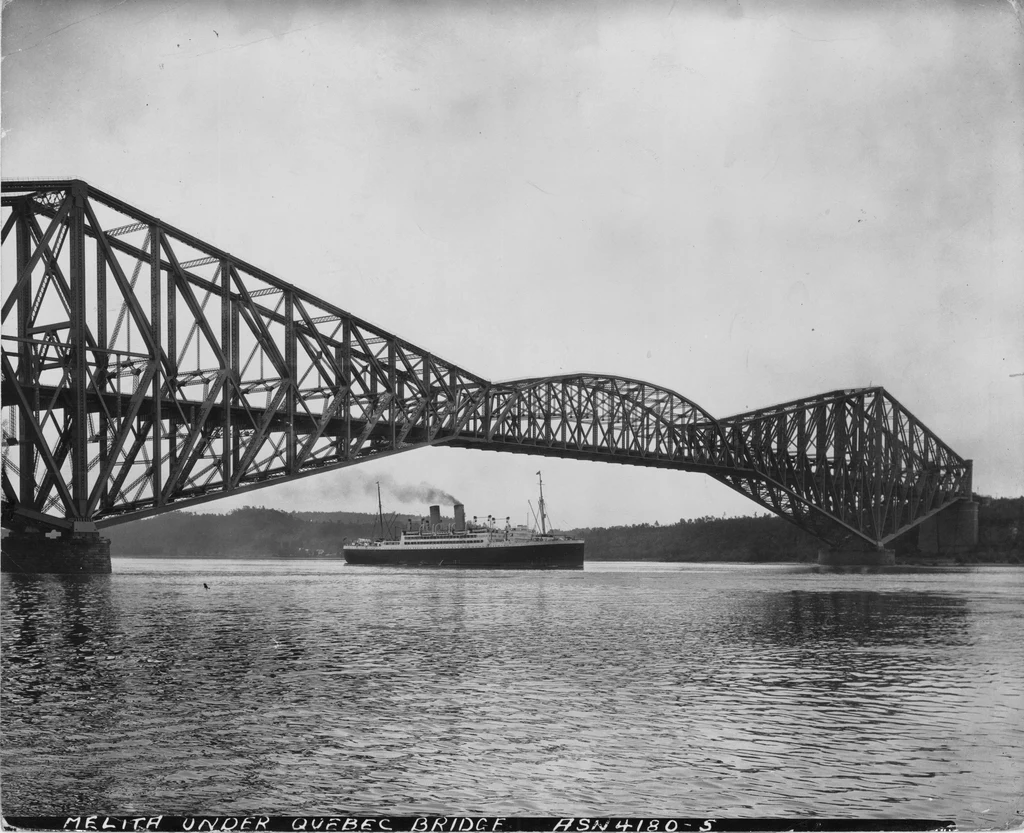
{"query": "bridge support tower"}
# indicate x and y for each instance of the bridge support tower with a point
(76, 552)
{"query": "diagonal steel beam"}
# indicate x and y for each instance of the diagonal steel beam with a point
(39, 439)
(127, 421)
(196, 430)
(25, 273)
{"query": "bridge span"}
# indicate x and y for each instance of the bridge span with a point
(145, 370)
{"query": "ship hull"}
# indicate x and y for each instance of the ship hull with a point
(559, 555)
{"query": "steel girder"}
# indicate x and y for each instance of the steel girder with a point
(605, 418)
(145, 370)
(848, 466)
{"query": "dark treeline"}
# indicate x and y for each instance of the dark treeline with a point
(770, 538)
(765, 538)
(1001, 526)
(244, 532)
(255, 531)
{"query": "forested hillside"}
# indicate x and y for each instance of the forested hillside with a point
(765, 538)
(268, 532)
(244, 532)
(770, 538)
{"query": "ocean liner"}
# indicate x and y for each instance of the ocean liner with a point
(487, 545)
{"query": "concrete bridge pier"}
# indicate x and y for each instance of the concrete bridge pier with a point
(79, 551)
(856, 557)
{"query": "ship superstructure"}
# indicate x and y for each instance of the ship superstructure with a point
(490, 544)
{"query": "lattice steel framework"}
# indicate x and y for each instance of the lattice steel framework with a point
(846, 465)
(145, 370)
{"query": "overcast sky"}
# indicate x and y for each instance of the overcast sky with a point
(744, 203)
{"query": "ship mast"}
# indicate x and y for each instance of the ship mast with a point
(543, 523)
(380, 512)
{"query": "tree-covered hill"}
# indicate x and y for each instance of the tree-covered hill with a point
(770, 538)
(268, 532)
(765, 538)
(244, 532)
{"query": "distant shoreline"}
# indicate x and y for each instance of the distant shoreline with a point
(255, 532)
(974, 560)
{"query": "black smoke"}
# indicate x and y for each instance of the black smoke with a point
(409, 493)
(393, 491)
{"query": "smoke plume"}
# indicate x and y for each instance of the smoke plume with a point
(408, 493)
(361, 483)
(322, 493)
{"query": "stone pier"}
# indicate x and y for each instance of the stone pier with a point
(953, 531)
(856, 558)
(75, 553)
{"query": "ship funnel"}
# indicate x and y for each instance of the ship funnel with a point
(460, 518)
(435, 517)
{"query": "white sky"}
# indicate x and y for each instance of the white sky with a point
(745, 204)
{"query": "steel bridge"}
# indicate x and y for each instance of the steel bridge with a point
(145, 370)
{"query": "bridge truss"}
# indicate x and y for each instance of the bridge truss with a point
(145, 370)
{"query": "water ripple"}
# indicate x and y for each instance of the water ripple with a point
(312, 687)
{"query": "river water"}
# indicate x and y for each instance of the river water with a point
(314, 687)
